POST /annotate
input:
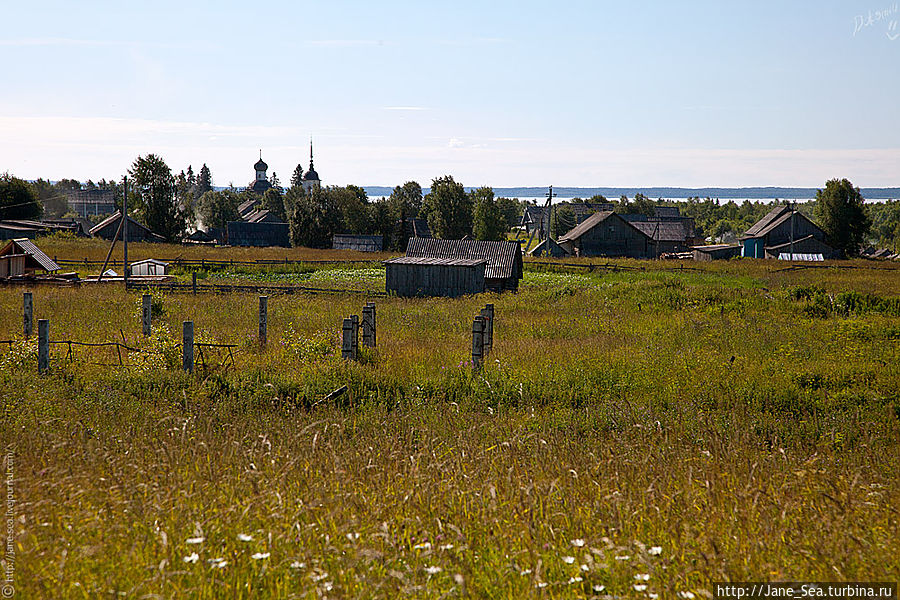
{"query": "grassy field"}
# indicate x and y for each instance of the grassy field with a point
(633, 433)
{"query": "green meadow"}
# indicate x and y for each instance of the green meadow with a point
(638, 432)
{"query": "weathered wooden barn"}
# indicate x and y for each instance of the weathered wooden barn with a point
(360, 243)
(504, 259)
(21, 257)
(241, 233)
(108, 227)
(449, 277)
(716, 252)
(768, 236)
(606, 234)
(665, 237)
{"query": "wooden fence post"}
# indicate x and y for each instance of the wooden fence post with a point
(263, 319)
(187, 347)
(477, 342)
(488, 313)
(43, 345)
(372, 322)
(354, 319)
(194, 282)
(368, 325)
(347, 339)
(146, 303)
(27, 314)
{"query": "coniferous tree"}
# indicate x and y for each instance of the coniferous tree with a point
(297, 177)
(204, 180)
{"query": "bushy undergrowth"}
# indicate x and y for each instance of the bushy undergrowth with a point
(658, 429)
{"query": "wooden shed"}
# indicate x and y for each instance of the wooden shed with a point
(360, 243)
(109, 227)
(504, 259)
(716, 252)
(606, 234)
(21, 257)
(450, 277)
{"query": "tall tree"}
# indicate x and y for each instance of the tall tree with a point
(315, 219)
(153, 189)
(488, 221)
(352, 202)
(204, 181)
(274, 203)
(275, 182)
(55, 203)
(449, 209)
(18, 199)
(842, 215)
(406, 200)
(297, 177)
(512, 211)
(218, 208)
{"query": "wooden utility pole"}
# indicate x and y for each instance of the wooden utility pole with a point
(125, 228)
(549, 212)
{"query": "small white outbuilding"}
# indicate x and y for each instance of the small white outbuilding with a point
(149, 267)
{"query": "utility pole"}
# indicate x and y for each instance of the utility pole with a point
(548, 211)
(125, 228)
(791, 204)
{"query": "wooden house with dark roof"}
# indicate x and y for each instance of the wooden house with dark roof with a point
(137, 232)
(606, 234)
(22, 257)
(771, 235)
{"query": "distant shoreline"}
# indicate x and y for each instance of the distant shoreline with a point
(612, 193)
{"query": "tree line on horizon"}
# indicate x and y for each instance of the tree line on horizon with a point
(171, 205)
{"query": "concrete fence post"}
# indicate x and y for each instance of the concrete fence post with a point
(477, 342)
(43, 345)
(347, 339)
(263, 320)
(146, 304)
(27, 314)
(488, 313)
(187, 347)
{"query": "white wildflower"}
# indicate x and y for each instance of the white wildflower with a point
(642, 577)
(192, 558)
(585, 568)
(318, 578)
(433, 570)
(575, 580)
(447, 547)
(195, 540)
(524, 572)
(639, 587)
(655, 550)
(243, 537)
(217, 563)
(298, 565)
(652, 596)
(541, 584)
(623, 557)
(599, 588)
(260, 555)
(422, 546)
(568, 559)
(686, 595)
(352, 536)
(578, 543)
(327, 586)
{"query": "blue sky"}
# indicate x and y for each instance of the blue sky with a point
(570, 93)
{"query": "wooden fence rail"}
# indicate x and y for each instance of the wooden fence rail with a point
(217, 288)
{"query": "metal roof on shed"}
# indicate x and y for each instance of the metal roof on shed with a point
(447, 262)
(28, 247)
(504, 259)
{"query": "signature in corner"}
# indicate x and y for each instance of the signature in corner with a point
(892, 31)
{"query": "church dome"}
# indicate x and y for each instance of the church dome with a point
(260, 165)
(311, 175)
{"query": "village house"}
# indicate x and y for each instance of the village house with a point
(606, 234)
(137, 232)
(771, 236)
